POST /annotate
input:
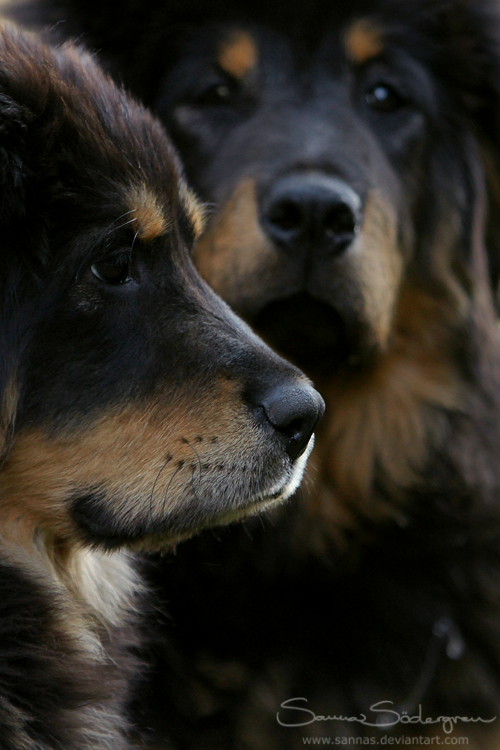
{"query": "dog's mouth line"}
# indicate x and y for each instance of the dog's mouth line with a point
(256, 504)
(310, 332)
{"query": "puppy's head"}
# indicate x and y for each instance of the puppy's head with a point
(136, 408)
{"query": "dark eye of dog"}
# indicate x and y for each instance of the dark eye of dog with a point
(214, 93)
(384, 98)
(113, 273)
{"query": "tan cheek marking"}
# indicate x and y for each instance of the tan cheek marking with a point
(363, 41)
(144, 458)
(234, 255)
(377, 264)
(150, 218)
(195, 210)
(238, 55)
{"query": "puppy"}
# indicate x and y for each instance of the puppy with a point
(135, 408)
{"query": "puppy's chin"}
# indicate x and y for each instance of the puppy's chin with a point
(274, 496)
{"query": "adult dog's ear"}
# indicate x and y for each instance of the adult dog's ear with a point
(461, 41)
(471, 67)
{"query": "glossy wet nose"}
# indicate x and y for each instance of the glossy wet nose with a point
(312, 209)
(294, 411)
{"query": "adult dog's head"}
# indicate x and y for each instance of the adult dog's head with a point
(351, 153)
(135, 407)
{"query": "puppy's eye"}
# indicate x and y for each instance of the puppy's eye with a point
(112, 273)
(384, 98)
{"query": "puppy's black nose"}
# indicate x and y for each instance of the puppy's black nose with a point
(293, 411)
(311, 210)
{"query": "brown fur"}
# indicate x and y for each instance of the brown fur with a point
(238, 55)
(237, 259)
(135, 453)
(195, 210)
(377, 266)
(236, 226)
(363, 41)
(149, 215)
(385, 419)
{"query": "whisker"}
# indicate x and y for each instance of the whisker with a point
(133, 241)
(115, 229)
(154, 485)
(168, 488)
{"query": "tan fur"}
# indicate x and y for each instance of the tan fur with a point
(95, 588)
(146, 458)
(238, 55)
(239, 261)
(377, 265)
(149, 216)
(363, 41)
(143, 456)
(386, 419)
(234, 247)
(195, 210)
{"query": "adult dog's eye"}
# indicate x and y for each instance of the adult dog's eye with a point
(112, 273)
(218, 93)
(384, 98)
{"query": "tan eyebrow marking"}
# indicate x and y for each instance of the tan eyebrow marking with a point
(238, 54)
(195, 210)
(363, 41)
(149, 215)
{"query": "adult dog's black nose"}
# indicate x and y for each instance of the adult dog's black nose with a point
(293, 411)
(313, 210)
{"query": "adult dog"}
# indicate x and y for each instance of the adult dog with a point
(135, 407)
(351, 151)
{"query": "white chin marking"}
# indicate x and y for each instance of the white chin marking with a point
(279, 493)
(257, 504)
(298, 471)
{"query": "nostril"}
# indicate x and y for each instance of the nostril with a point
(285, 215)
(340, 220)
(293, 411)
(293, 429)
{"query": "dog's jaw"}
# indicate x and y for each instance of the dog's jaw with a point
(255, 505)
